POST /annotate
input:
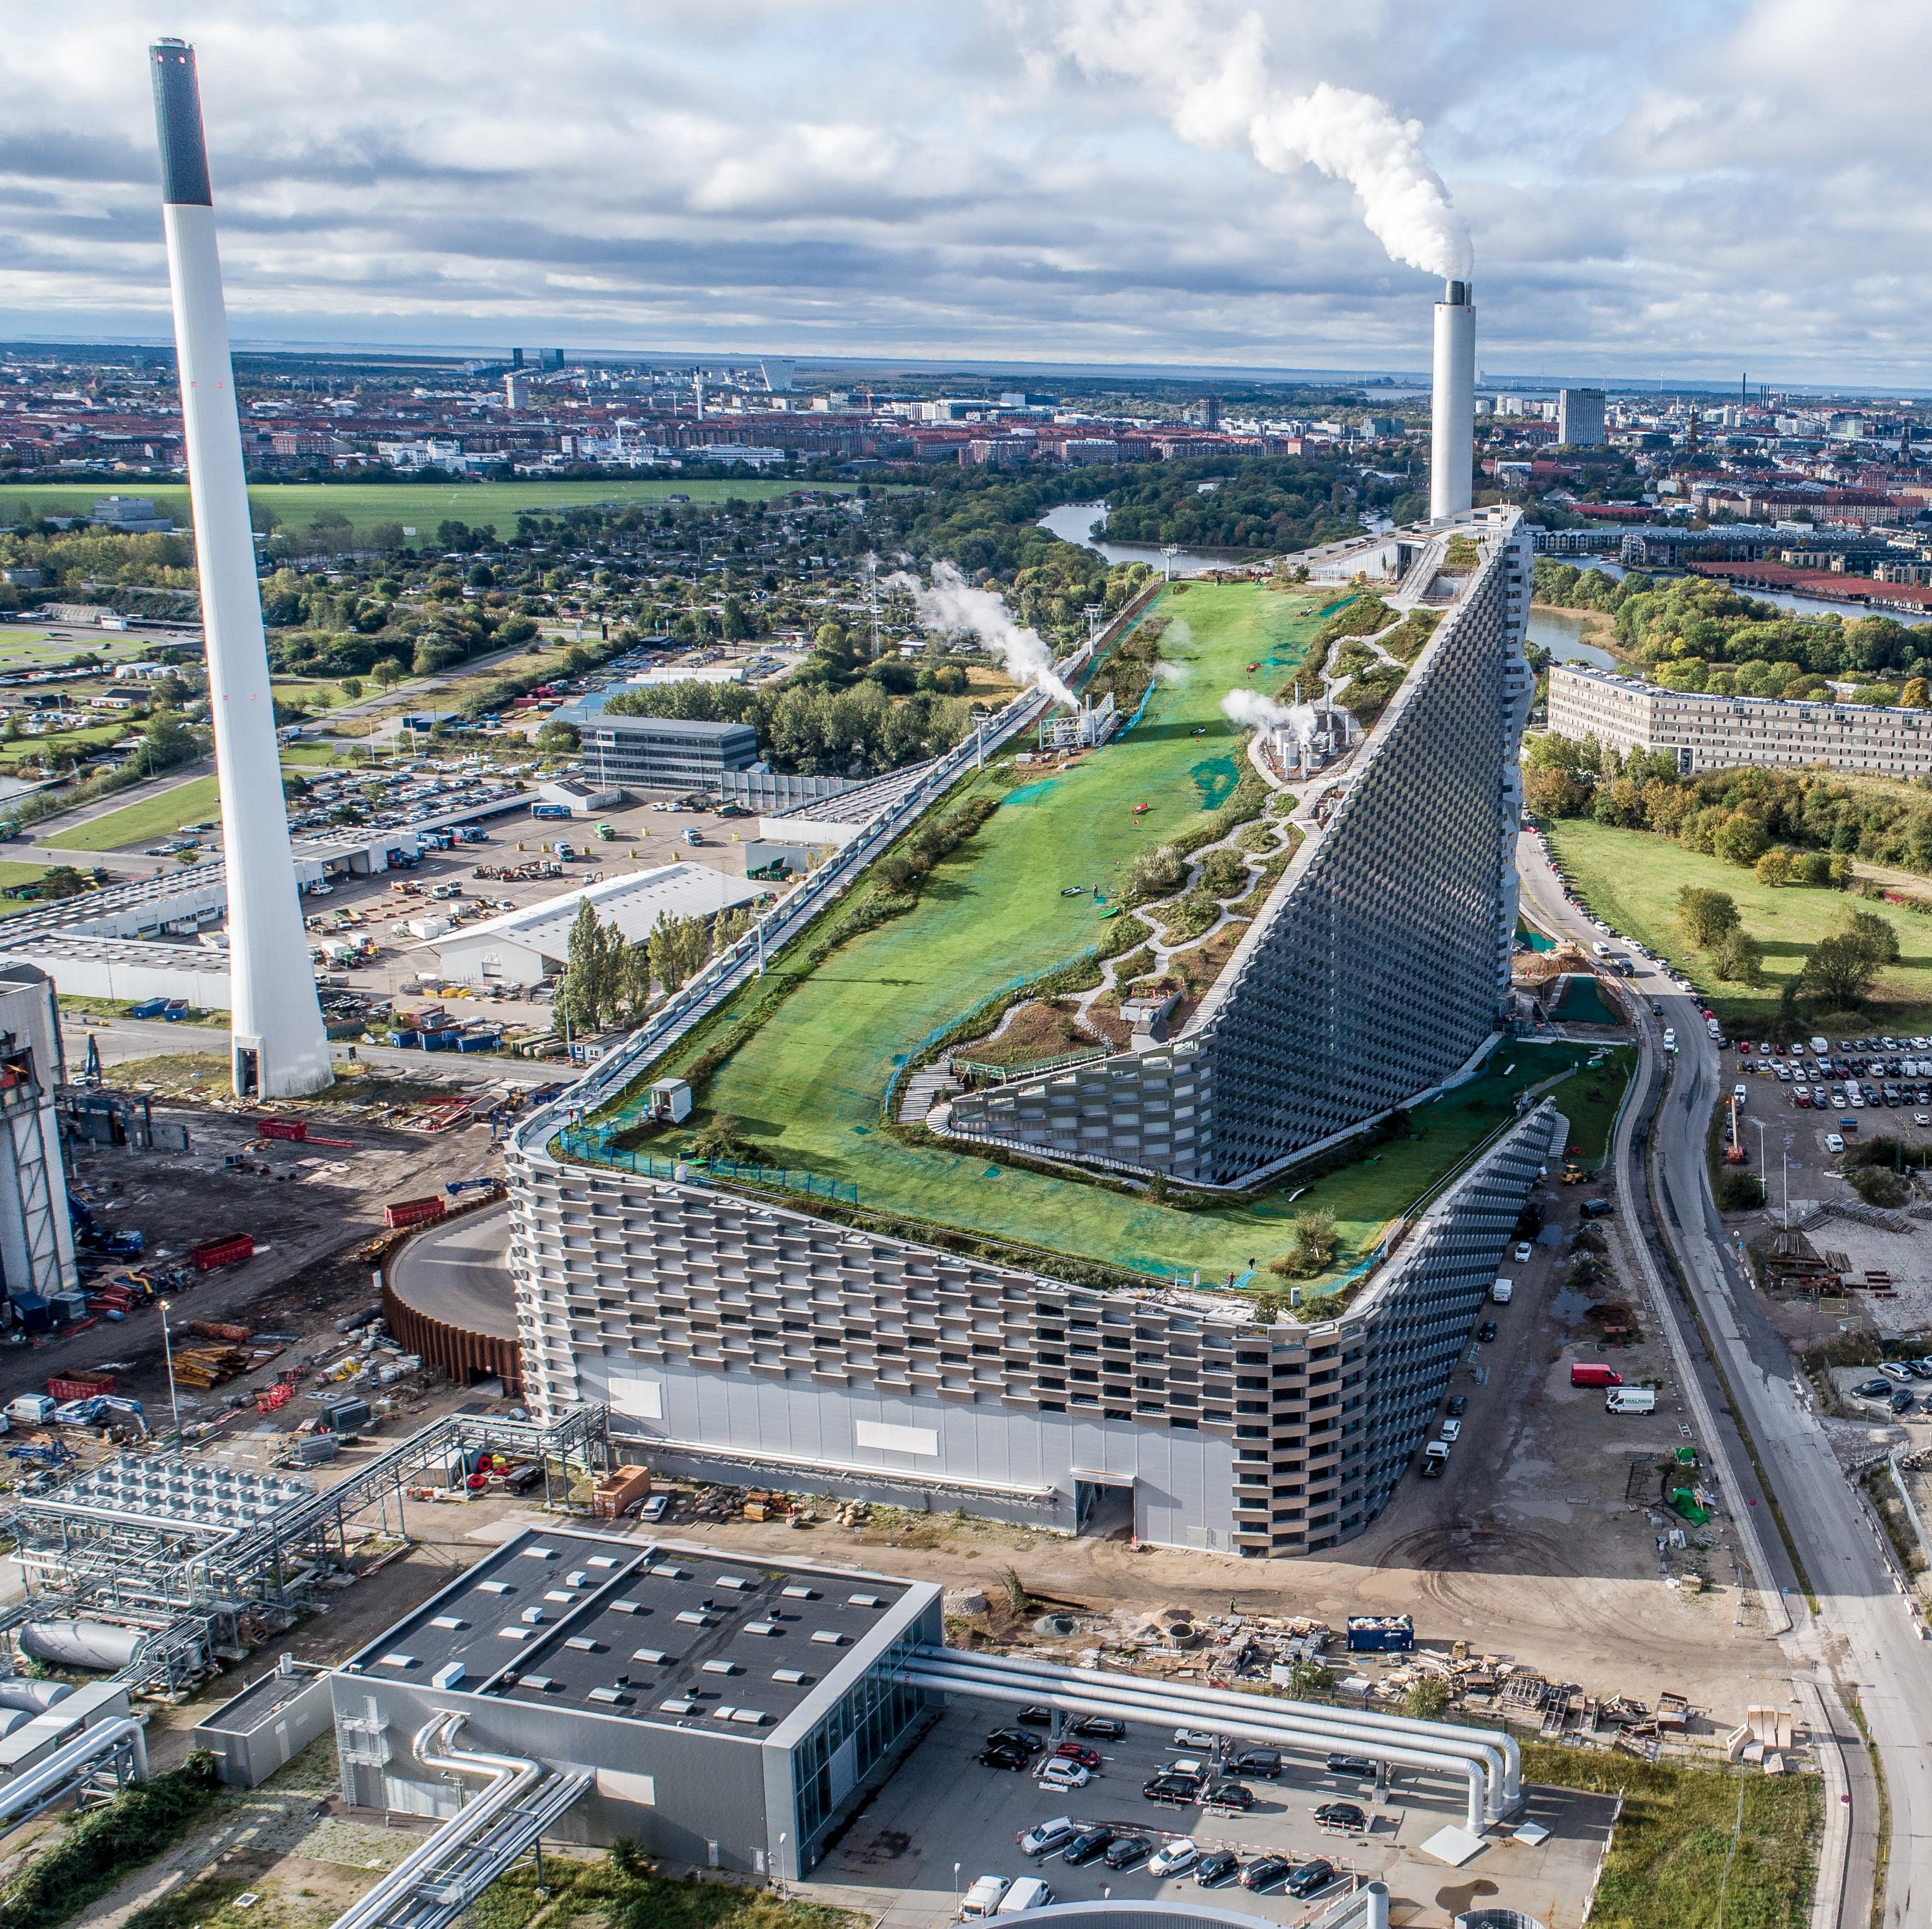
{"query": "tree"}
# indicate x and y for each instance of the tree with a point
(1427, 1699)
(1741, 960)
(593, 970)
(1315, 1240)
(1878, 934)
(1839, 971)
(558, 737)
(1775, 867)
(351, 687)
(1706, 918)
(386, 671)
(1913, 696)
(387, 537)
(1740, 839)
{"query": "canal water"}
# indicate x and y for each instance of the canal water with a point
(1078, 521)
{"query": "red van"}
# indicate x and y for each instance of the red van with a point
(1584, 1374)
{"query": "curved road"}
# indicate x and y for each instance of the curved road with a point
(461, 1273)
(1863, 1641)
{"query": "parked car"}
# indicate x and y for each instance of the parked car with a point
(1177, 1791)
(1229, 1794)
(1193, 1738)
(1352, 1768)
(1077, 1751)
(1061, 1773)
(1035, 1717)
(1452, 1431)
(656, 1508)
(1343, 1815)
(1182, 1853)
(1874, 1389)
(1015, 1738)
(1486, 1332)
(1085, 1845)
(1001, 1756)
(1903, 1402)
(1893, 1371)
(1123, 1851)
(1101, 1728)
(1459, 1405)
(1265, 1871)
(1217, 1866)
(1264, 1763)
(1310, 1880)
(1045, 1837)
(1834, 1144)
(1524, 1251)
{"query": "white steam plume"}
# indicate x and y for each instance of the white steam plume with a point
(949, 604)
(1218, 91)
(1264, 713)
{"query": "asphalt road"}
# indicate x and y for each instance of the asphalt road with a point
(1863, 1641)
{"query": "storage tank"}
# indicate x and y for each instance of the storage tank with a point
(35, 1697)
(104, 1646)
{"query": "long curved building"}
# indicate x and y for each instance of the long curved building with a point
(737, 1337)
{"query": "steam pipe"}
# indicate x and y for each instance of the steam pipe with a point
(1452, 428)
(1494, 1740)
(44, 1783)
(278, 1047)
(1454, 1753)
(946, 1681)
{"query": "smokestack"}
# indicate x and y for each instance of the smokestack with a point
(1452, 432)
(278, 1047)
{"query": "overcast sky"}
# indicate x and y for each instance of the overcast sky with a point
(1670, 188)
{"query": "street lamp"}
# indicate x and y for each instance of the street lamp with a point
(955, 1888)
(167, 1349)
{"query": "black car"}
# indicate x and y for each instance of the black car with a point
(1310, 1880)
(1217, 1866)
(1459, 1405)
(1035, 1717)
(1919, 1369)
(1487, 1331)
(1265, 1871)
(1874, 1389)
(1229, 1794)
(1264, 1763)
(1352, 1768)
(1341, 1815)
(1014, 1738)
(1101, 1728)
(1432, 1469)
(1085, 1845)
(1177, 1790)
(1001, 1757)
(1903, 1402)
(1123, 1851)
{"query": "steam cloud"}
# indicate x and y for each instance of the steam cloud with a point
(1264, 713)
(1219, 91)
(948, 604)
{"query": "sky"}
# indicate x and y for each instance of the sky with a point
(1667, 188)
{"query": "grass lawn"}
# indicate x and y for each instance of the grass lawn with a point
(12, 873)
(419, 505)
(1631, 879)
(808, 1086)
(1694, 1848)
(142, 821)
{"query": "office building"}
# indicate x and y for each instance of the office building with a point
(665, 752)
(1722, 732)
(1579, 417)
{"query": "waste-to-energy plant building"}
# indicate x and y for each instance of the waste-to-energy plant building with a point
(747, 1339)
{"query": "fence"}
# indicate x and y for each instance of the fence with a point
(594, 1149)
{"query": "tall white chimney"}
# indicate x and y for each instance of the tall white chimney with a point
(1452, 430)
(279, 1049)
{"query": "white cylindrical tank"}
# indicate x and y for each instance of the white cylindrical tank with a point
(33, 1697)
(1452, 426)
(277, 1044)
(104, 1646)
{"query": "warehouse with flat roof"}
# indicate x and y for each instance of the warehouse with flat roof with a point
(722, 1712)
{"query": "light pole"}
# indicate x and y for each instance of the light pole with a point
(955, 1888)
(168, 1351)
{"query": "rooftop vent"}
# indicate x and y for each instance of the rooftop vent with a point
(628, 1607)
(800, 1593)
(656, 1656)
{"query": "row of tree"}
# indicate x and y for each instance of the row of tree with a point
(609, 981)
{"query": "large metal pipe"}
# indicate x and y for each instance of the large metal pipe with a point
(510, 1776)
(108, 1645)
(1325, 1729)
(1452, 422)
(1293, 1738)
(1496, 1741)
(35, 1697)
(42, 1783)
(278, 1046)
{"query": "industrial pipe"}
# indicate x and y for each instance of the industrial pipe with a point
(47, 1782)
(35, 1697)
(1165, 1702)
(943, 1681)
(1452, 1732)
(511, 1776)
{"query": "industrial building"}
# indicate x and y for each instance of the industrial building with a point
(1377, 970)
(720, 1712)
(36, 1237)
(665, 752)
(1703, 733)
(527, 945)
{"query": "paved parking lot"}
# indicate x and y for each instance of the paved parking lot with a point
(942, 1812)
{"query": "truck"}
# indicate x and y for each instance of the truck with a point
(1630, 1400)
(983, 1897)
(690, 836)
(1384, 1634)
(1589, 1372)
(548, 810)
(1503, 1292)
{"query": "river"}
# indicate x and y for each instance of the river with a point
(1562, 637)
(1075, 522)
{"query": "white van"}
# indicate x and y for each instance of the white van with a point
(1029, 1892)
(1503, 1292)
(983, 1897)
(1820, 1047)
(1630, 1400)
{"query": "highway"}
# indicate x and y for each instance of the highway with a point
(1863, 1641)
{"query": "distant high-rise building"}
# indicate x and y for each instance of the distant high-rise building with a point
(516, 357)
(1206, 413)
(516, 390)
(550, 357)
(1579, 417)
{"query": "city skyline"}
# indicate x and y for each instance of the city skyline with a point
(997, 184)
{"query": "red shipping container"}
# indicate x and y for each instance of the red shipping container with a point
(412, 1211)
(83, 1387)
(296, 1129)
(223, 1251)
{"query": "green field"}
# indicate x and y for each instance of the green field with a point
(807, 1088)
(38, 649)
(141, 822)
(1630, 878)
(419, 505)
